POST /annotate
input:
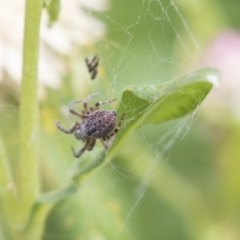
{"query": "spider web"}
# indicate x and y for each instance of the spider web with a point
(147, 42)
(153, 44)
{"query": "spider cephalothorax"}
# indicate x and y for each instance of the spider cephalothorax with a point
(96, 124)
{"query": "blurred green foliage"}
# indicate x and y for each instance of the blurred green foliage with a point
(176, 181)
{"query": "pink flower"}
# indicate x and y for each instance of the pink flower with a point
(223, 53)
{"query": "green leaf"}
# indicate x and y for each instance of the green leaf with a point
(8, 194)
(53, 8)
(143, 104)
(46, 202)
(5, 169)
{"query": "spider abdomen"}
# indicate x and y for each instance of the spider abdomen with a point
(100, 123)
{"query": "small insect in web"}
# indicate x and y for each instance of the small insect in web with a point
(92, 66)
(96, 124)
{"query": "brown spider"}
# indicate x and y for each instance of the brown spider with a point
(96, 124)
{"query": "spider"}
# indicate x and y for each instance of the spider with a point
(96, 124)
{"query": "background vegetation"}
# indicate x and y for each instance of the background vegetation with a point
(177, 180)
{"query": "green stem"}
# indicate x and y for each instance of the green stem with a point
(28, 176)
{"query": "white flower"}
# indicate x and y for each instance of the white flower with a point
(73, 28)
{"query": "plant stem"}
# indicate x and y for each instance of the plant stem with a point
(27, 172)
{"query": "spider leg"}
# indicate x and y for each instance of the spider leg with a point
(92, 144)
(96, 105)
(81, 115)
(74, 112)
(85, 101)
(82, 150)
(71, 130)
(115, 130)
